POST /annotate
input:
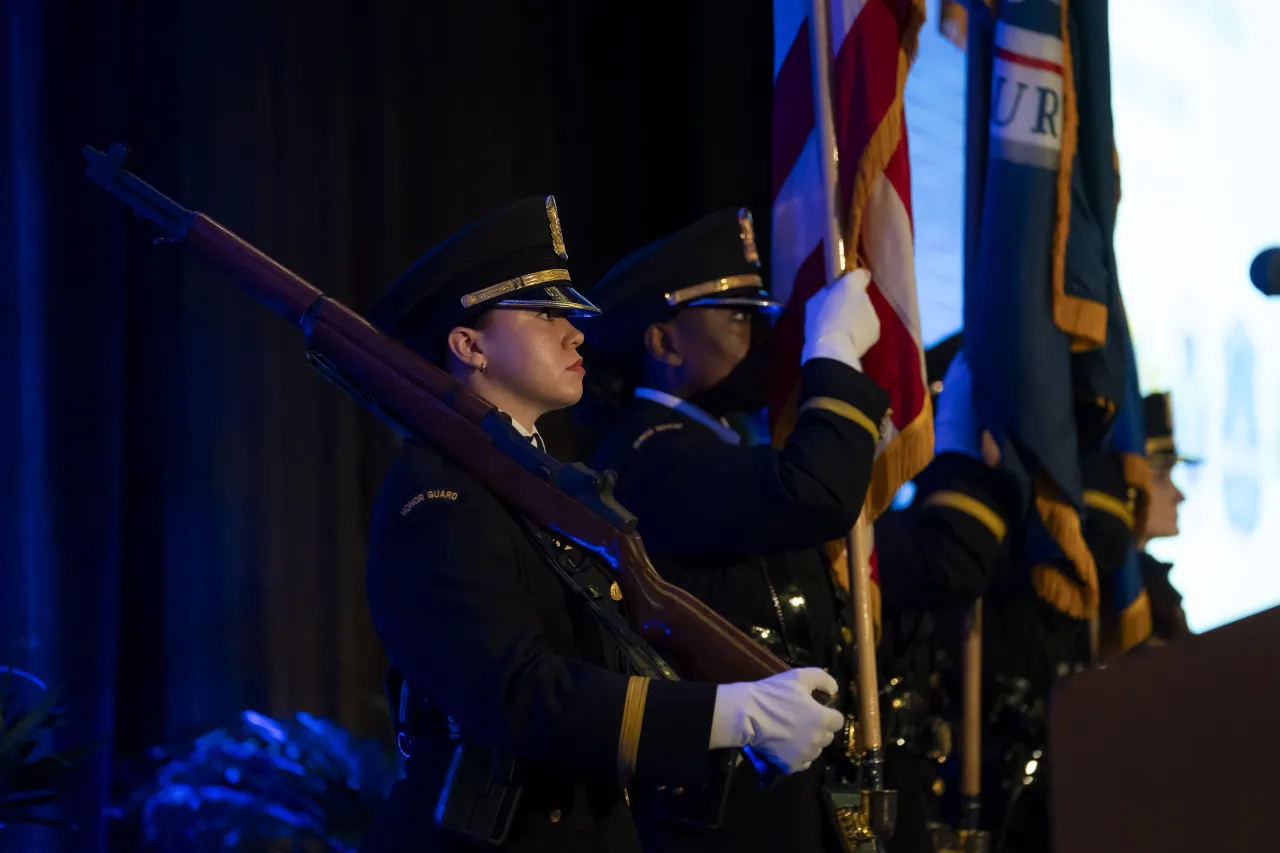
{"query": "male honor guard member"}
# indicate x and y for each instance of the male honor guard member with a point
(522, 723)
(936, 557)
(686, 330)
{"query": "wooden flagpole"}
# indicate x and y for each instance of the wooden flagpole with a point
(972, 839)
(878, 806)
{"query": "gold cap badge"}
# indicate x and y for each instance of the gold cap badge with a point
(746, 230)
(557, 236)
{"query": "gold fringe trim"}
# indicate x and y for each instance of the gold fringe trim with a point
(911, 36)
(838, 557)
(886, 138)
(953, 23)
(911, 450)
(1130, 628)
(904, 457)
(1083, 319)
(1137, 473)
(1059, 591)
(884, 141)
(1078, 600)
(1135, 622)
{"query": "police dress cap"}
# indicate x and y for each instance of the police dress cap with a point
(1157, 412)
(513, 257)
(713, 262)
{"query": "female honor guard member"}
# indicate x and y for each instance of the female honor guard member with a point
(685, 327)
(531, 729)
(1168, 619)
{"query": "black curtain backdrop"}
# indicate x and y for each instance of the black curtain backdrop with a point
(184, 500)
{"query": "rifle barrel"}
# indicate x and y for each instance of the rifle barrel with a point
(422, 401)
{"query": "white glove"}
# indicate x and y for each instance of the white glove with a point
(778, 717)
(955, 426)
(840, 322)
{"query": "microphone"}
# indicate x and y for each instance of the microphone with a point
(1265, 271)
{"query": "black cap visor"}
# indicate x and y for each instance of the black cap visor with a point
(557, 297)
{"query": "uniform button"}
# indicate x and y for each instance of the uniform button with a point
(555, 815)
(939, 787)
(679, 792)
(615, 591)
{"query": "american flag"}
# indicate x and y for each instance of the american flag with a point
(871, 44)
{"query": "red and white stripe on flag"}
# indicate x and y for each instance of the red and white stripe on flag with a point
(872, 44)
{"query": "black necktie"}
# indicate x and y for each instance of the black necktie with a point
(536, 441)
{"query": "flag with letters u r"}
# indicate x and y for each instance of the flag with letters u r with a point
(1045, 334)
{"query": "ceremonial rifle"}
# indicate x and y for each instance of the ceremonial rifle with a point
(425, 404)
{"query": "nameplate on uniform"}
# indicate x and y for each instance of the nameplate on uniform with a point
(431, 495)
(652, 431)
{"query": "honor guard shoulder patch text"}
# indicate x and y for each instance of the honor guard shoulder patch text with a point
(430, 495)
(651, 431)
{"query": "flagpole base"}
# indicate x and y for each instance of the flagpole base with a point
(974, 841)
(882, 812)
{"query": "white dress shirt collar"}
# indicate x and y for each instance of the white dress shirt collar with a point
(719, 426)
(532, 434)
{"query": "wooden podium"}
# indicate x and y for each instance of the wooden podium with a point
(1172, 749)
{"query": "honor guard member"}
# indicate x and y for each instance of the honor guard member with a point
(1033, 636)
(1168, 619)
(961, 535)
(523, 726)
(936, 558)
(1029, 644)
(685, 339)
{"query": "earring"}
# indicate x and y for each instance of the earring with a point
(483, 365)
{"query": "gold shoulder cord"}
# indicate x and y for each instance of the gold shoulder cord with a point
(972, 507)
(845, 410)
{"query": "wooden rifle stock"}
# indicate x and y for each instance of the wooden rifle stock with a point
(426, 404)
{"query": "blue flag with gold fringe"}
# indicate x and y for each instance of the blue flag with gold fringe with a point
(1126, 608)
(1042, 299)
